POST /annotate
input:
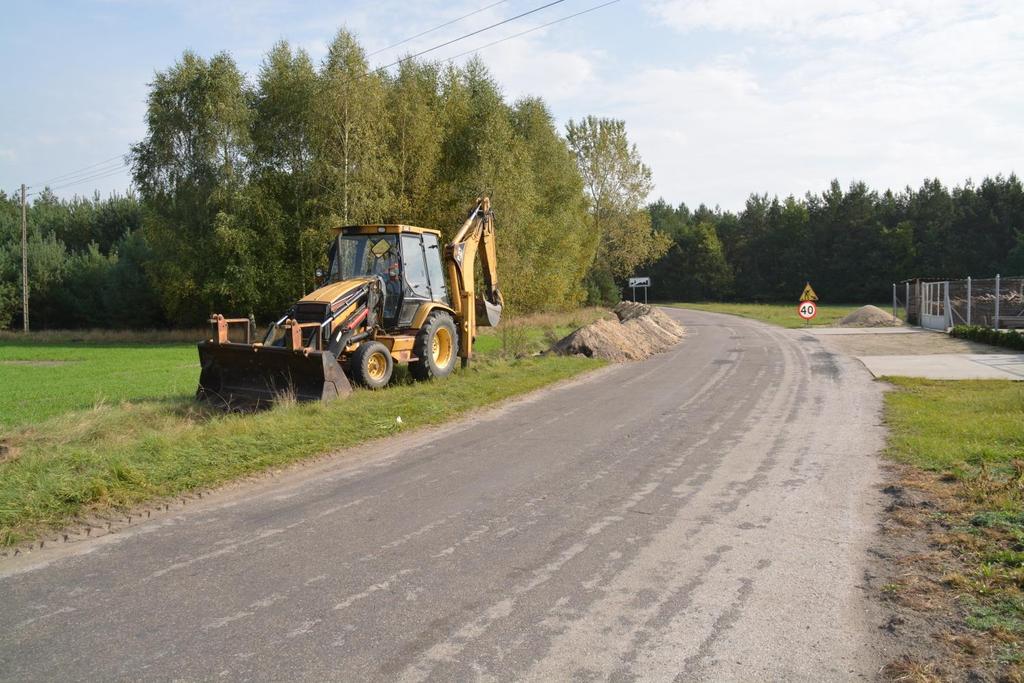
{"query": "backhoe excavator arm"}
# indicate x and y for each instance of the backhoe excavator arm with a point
(475, 237)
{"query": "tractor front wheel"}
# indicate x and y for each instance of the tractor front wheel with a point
(371, 365)
(436, 348)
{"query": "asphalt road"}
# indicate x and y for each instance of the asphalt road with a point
(703, 515)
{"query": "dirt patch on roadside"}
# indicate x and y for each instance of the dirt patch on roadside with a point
(943, 598)
(639, 332)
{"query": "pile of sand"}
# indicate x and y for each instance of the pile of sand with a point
(639, 332)
(869, 316)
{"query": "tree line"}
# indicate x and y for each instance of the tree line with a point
(851, 244)
(238, 183)
(91, 261)
(87, 259)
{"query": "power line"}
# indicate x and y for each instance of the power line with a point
(106, 173)
(80, 176)
(104, 169)
(439, 26)
(66, 176)
(467, 35)
(531, 30)
(97, 176)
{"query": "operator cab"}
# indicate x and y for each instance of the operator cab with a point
(406, 258)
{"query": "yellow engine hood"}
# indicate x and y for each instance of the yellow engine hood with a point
(334, 291)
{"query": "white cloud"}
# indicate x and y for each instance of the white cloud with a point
(530, 66)
(884, 92)
(857, 20)
(775, 95)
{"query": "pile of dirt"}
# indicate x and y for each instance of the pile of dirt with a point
(869, 316)
(639, 332)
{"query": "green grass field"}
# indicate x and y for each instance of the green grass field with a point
(52, 375)
(89, 427)
(967, 437)
(44, 380)
(783, 315)
(958, 426)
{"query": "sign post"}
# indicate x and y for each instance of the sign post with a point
(642, 282)
(807, 308)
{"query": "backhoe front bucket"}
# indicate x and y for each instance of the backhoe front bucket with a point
(242, 373)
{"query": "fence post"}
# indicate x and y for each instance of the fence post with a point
(997, 302)
(968, 299)
(894, 303)
(946, 308)
(907, 302)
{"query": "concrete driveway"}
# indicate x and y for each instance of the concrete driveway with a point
(913, 352)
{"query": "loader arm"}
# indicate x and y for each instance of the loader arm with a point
(475, 238)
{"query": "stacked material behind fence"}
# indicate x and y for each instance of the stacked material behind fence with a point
(972, 301)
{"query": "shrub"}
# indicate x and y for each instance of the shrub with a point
(1011, 339)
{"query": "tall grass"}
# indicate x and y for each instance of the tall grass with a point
(965, 443)
(520, 336)
(105, 336)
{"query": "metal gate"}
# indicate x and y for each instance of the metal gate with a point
(935, 306)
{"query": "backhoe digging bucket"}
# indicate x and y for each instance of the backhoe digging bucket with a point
(487, 314)
(241, 373)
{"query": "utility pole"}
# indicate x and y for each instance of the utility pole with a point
(24, 260)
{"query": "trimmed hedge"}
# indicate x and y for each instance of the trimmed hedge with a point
(1011, 339)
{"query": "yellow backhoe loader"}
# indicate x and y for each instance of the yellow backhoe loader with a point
(383, 300)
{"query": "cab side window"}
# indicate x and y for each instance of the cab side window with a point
(416, 283)
(434, 269)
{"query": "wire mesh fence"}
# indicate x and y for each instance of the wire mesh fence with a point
(997, 303)
(900, 302)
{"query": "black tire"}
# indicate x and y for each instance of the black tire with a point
(435, 362)
(371, 365)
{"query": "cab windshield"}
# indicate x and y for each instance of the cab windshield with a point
(364, 255)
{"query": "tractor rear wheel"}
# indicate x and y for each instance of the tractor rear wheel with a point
(436, 348)
(371, 365)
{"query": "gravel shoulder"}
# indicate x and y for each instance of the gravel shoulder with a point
(912, 343)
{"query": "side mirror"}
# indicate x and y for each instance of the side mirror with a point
(319, 277)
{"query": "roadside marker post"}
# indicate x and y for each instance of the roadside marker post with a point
(641, 282)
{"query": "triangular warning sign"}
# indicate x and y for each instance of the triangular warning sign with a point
(808, 294)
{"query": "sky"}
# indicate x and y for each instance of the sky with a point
(723, 98)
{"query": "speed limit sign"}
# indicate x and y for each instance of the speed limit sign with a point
(807, 310)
